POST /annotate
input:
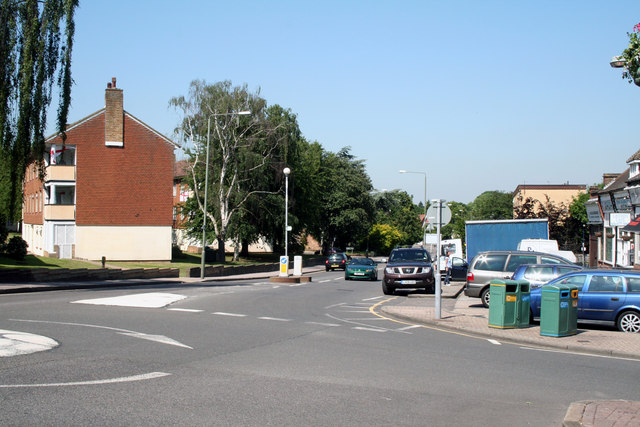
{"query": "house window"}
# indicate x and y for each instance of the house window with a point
(634, 169)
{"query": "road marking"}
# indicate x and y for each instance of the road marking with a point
(156, 338)
(147, 300)
(494, 342)
(602, 356)
(221, 313)
(186, 310)
(322, 324)
(338, 278)
(360, 328)
(142, 377)
(277, 319)
(335, 305)
(324, 281)
(14, 343)
(406, 327)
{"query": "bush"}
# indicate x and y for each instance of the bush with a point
(16, 248)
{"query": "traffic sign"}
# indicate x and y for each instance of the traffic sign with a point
(445, 215)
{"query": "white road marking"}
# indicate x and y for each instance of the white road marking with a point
(324, 281)
(186, 310)
(407, 328)
(221, 313)
(335, 305)
(338, 278)
(494, 342)
(157, 338)
(603, 356)
(277, 319)
(374, 298)
(14, 343)
(321, 324)
(360, 328)
(147, 300)
(142, 377)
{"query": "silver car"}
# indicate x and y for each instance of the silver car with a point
(490, 265)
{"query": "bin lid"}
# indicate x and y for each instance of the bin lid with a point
(555, 288)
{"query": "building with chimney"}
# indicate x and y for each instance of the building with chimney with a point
(107, 190)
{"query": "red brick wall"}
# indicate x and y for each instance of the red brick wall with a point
(129, 185)
(32, 208)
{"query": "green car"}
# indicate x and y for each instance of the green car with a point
(361, 268)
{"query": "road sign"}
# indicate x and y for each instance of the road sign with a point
(445, 216)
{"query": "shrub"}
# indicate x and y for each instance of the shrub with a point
(16, 248)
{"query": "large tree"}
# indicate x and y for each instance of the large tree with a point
(240, 155)
(630, 58)
(492, 205)
(36, 41)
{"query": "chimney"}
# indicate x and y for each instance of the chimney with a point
(114, 116)
(608, 178)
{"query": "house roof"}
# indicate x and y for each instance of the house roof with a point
(180, 168)
(102, 111)
(524, 187)
(635, 157)
(617, 184)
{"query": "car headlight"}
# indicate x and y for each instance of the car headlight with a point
(389, 270)
(426, 269)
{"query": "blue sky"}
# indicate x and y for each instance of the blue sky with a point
(480, 95)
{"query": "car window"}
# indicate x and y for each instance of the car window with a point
(539, 274)
(564, 270)
(577, 280)
(547, 260)
(605, 284)
(409, 255)
(491, 262)
(457, 262)
(633, 284)
(517, 260)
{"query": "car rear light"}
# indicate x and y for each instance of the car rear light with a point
(469, 277)
(342, 261)
(326, 262)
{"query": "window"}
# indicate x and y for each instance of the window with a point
(577, 280)
(517, 260)
(605, 284)
(608, 241)
(491, 262)
(547, 260)
(633, 284)
(539, 274)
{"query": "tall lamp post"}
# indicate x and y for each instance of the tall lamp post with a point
(424, 228)
(286, 172)
(206, 185)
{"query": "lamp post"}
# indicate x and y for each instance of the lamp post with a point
(206, 184)
(286, 172)
(424, 225)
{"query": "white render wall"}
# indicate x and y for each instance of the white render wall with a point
(123, 243)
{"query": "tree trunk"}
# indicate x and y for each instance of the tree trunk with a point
(245, 249)
(236, 251)
(221, 251)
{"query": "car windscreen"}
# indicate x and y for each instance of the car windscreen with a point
(410, 255)
(362, 261)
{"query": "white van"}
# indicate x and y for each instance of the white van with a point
(545, 246)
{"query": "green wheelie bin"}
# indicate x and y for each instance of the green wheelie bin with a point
(509, 307)
(558, 310)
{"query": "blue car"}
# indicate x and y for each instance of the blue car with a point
(539, 274)
(609, 297)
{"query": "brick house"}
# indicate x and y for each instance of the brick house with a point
(107, 190)
(557, 194)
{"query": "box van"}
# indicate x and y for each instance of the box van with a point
(546, 246)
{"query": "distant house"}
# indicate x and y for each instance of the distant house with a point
(106, 192)
(557, 194)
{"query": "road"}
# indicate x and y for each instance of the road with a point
(258, 353)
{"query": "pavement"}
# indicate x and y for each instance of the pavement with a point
(466, 315)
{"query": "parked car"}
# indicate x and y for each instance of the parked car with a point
(361, 268)
(336, 261)
(408, 268)
(609, 297)
(539, 274)
(489, 265)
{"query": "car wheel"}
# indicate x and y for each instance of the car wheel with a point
(327, 269)
(387, 290)
(629, 321)
(484, 296)
(346, 277)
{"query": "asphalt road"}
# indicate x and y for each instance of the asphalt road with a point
(258, 353)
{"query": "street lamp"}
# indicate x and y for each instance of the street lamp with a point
(206, 184)
(618, 62)
(424, 228)
(286, 172)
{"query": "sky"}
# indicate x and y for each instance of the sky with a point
(479, 95)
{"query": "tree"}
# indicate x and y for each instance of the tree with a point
(396, 208)
(384, 237)
(492, 205)
(347, 204)
(631, 57)
(456, 228)
(31, 51)
(239, 154)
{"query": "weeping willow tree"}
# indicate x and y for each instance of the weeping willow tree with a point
(36, 40)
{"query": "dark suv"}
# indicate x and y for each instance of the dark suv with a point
(408, 268)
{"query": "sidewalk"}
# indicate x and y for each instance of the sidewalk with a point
(469, 316)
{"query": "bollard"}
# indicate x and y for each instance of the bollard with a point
(104, 261)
